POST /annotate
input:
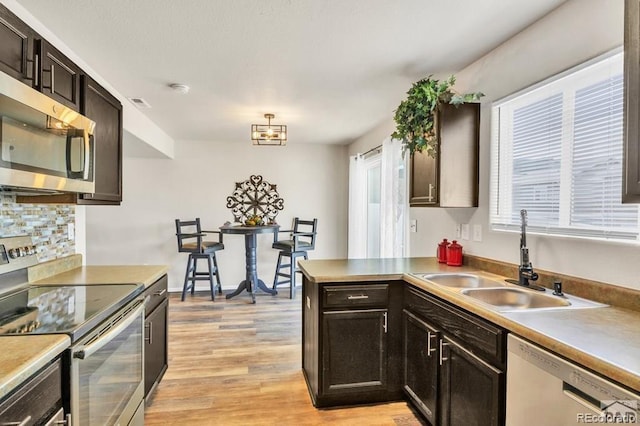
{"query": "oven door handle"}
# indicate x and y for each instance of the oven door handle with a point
(86, 351)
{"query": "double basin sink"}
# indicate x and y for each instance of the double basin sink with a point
(498, 295)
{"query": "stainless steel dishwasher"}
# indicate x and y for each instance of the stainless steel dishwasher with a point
(544, 389)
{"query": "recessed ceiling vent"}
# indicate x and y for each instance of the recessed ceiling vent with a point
(140, 103)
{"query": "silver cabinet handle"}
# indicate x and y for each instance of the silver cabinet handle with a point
(160, 292)
(384, 324)
(429, 348)
(36, 69)
(53, 80)
(358, 297)
(150, 338)
(65, 422)
(442, 345)
(22, 423)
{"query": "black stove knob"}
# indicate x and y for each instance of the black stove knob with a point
(14, 253)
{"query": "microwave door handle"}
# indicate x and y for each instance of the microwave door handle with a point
(89, 141)
(71, 135)
(85, 351)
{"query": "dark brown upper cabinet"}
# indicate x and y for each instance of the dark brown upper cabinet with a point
(25, 56)
(450, 179)
(17, 48)
(103, 108)
(59, 76)
(631, 168)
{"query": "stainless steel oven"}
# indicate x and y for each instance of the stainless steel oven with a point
(102, 372)
(107, 371)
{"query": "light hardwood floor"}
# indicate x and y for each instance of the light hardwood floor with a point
(234, 363)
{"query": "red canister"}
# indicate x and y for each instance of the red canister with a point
(454, 254)
(442, 251)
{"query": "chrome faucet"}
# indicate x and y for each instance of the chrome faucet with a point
(525, 270)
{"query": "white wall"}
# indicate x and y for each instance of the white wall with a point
(573, 33)
(312, 179)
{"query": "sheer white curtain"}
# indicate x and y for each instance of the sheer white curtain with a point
(357, 244)
(394, 204)
(394, 209)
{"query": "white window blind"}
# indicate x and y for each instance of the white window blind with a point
(557, 152)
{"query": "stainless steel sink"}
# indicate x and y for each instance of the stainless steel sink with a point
(461, 280)
(515, 299)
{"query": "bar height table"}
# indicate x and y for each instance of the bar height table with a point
(251, 282)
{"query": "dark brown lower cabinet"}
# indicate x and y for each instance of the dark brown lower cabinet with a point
(354, 355)
(351, 335)
(377, 342)
(156, 352)
(472, 391)
(421, 365)
(453, 363)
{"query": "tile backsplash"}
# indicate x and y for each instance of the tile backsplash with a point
(46, 223)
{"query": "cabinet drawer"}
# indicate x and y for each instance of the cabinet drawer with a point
(481, 337)
(36, 400)
(342, 296)
(157, 292)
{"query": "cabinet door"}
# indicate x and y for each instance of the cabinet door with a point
(16, 48)
(59, 77)
(101, 107)
(451, 178)
(354, 352)
(155, 350)
(472, 391)
(631, 169)
(424, 180)
(421, 365)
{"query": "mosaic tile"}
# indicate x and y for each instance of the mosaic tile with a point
(46, 223)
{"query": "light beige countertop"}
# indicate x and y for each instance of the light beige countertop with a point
(606, 339)
(22, 356)
(107, 274)
(342, 270)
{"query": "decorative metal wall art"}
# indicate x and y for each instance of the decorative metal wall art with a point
(255, 197)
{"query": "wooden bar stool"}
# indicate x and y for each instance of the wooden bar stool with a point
(302, 239)
(190, 240)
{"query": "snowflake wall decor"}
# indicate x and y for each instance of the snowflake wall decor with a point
(255, 196)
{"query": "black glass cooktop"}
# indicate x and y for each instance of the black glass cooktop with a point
(70, 309)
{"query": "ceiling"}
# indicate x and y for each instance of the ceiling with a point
(329, 69)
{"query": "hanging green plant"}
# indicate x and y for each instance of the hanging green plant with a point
(415, 117)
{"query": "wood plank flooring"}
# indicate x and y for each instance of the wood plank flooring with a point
(234, 363)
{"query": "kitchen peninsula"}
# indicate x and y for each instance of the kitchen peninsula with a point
(369, 296)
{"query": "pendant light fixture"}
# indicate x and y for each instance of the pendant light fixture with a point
(269, 134)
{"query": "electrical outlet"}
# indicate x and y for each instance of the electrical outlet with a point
(414, 225)
(477, 232)
(458, 232)
(71, 231)
(465, 231)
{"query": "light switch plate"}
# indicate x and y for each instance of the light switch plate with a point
(458, 230)
(477, 232)
(465, 231)
(71, 231)
(414, 225)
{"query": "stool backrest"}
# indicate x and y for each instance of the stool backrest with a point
(189, 234)
(305, 231)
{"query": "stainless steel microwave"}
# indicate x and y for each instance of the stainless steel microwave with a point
(44, 145)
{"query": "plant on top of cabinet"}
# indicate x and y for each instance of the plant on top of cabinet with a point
(416, 116)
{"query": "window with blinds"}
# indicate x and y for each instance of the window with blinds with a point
(557, 152)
